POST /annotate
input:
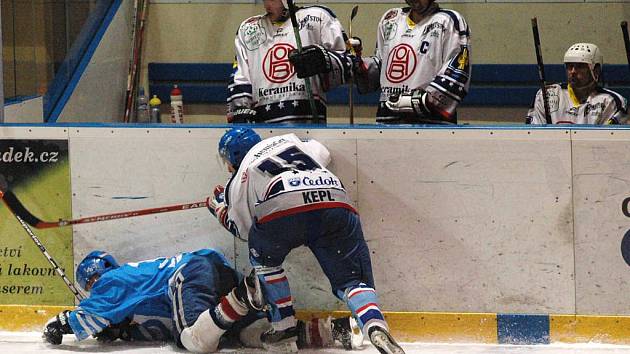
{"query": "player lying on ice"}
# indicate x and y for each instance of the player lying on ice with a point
(196, 299)
(280, 197)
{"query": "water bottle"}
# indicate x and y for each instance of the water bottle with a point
(154, 105)
(142, 113)
(177, 106)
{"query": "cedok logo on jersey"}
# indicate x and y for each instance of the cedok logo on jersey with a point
(276, 65)
(401, 63)
(294, 182)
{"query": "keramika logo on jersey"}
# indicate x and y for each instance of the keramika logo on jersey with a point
(389, 90)
(291, 87)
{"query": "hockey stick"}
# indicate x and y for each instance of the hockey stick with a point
(51, 260)
(355, 9)
(132, 64)
(541, 70)
(139, 45)
(298, 42)
(626, 41)
(19, 210)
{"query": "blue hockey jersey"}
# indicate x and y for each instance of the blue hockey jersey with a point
(137, 291)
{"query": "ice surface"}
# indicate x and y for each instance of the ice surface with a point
(31, 342)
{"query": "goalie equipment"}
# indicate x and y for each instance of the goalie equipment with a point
(410, 102)
(312, 60)
(56, 327)
(235, 144)
(585, 53)
(95, 263)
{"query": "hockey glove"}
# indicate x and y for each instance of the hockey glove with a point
(410, 102)
(113, 332)
(242, 115)
(313, 60)
(56, 327)
(216, 204)
(355, 45)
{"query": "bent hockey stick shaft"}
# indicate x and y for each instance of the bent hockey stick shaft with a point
(19, 210)
(541, 70)
(626, 40)
(298, 42)
(43, 250)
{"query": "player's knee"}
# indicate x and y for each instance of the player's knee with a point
(203, 336)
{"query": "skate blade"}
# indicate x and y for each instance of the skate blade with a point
(385, 345)
(281, 347)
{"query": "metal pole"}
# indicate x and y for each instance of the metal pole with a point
(1, 74)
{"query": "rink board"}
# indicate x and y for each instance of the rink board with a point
(459, 221)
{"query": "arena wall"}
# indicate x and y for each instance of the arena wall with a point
(465, 225)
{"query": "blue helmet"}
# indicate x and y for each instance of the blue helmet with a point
(235, 144)
(95, 263)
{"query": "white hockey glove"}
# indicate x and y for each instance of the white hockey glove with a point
(410, 102)
(313, 60)
(216, 204)
(56, 327)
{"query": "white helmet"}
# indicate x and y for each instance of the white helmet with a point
(585, 53)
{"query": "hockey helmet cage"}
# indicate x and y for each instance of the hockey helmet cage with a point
(95, 263)
(235, 144)
(587, 53)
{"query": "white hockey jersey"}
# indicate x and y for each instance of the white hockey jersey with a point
(281, 176)
(433, 55)
(603, 106)
(265, 80)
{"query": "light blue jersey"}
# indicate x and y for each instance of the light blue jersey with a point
(136, 291)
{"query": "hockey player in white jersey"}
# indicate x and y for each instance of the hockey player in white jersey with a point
(265, 87)
(421, 64)
(581, 100)
(280, 197)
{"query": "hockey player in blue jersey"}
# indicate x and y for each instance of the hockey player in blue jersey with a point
(196, 299)
(280, 197)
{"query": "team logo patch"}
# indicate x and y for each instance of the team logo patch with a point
(401, 63)
(253, 35)
(294, 182)
(276, 65)
(389, 30)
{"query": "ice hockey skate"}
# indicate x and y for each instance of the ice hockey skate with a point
(280, 341)
(346, 331)
(383, 341)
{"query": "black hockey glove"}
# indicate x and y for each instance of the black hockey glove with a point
(313, 60)
(117, 331)
(242, 115)
(56, 327)
(410, 102)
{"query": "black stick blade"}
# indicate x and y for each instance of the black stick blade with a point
(18, 208)
(355, 9)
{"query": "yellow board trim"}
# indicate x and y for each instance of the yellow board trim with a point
(586, 329)
(25, 318)
(433, 327)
